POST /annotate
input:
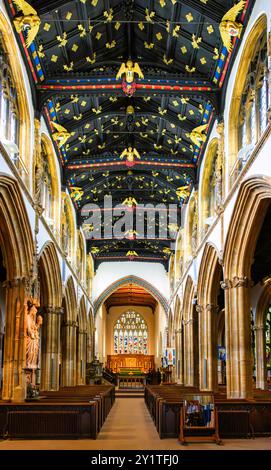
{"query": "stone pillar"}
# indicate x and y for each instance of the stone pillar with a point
(179, 355)
(14, 377)
(261, 372)
(238, 338)
(69, 354)
(208, 347)
(189, 372)
(81, 358)
(51, 348)
(90, 346)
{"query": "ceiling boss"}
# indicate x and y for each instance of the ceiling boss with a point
(29, 21)
(129, 69)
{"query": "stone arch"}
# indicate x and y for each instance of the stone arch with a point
(191, 231)
(51, 283)
(260, 319)
(207, 174)
(252, 203)
(17, 247)
(15, 233)
(248, 52)
(81, 343)
(210, 276)
(134, 280)
(55, 186)
(178, 331)
(51, 309)
(16, 68)
(69, 328)
(190, 334)
(71, 300)
(90, 336)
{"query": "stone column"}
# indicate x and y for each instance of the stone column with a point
(69, 354)
(261, 372)
(208, 346)
(14, 377)
(51, 348)
(81, 358)
(189, 373)
(179, 354)
(238, 337)
(90, 346)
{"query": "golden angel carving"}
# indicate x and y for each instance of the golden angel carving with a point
(29, 21)
(129, 70)
(197, 135)
(229, 27)
(61, 135)
(130, 201)
(131, 153)
(76, 193)
(183, 192)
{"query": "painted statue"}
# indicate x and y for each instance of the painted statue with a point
(33, 324)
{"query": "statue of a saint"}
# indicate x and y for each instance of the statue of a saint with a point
(33, 337)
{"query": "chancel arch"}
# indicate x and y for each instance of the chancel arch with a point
(210, 302)
(248, 112)
(17, 248)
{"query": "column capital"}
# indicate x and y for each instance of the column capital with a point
(54, 310)
(259, 328)
(236, 281)
(16, 282)
(69, 323)
(199, 308)
(82, 332)
(212, 308)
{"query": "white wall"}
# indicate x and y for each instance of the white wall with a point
(111, 272)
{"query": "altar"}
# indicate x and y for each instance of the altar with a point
(143, 362)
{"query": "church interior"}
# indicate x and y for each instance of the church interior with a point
(135, 217)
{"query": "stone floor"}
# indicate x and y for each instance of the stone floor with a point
(129, 426)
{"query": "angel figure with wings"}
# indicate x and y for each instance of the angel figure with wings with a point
(128, 83)
(28, 21)
(130, 153)
(198, 135)
(61, 135)
(229, 27)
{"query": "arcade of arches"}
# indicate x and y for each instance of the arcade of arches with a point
(69, 296)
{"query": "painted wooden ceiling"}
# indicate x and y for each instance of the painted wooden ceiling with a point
(73, 63)
(131, 295)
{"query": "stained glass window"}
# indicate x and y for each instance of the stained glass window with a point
(131, 334)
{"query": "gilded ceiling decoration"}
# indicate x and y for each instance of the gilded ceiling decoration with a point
(130, 91)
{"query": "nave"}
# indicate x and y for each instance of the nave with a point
(129, 426)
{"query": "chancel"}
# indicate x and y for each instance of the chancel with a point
(135, 215)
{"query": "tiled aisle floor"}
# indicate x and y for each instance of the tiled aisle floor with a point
(129, 426)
